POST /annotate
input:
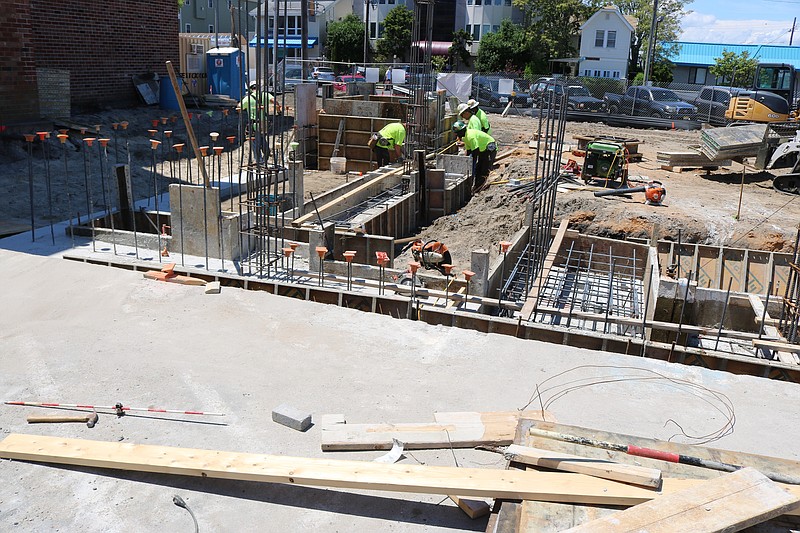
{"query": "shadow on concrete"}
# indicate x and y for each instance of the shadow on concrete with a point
(320, 499)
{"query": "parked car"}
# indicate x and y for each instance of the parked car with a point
(323, 74)
(342, 81)
(486, 90)
(650, 102)
(578, 97)
(712, 102)
(538, 88)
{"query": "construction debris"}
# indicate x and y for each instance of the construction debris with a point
(291, 417)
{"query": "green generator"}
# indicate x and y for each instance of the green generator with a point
(605, 161)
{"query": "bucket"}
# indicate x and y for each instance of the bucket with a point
(167, 97)
(339, 165)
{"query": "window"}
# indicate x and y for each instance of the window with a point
(596, 73)
(508, 2)
(210, 28)
(498, 2)
(486, 29)
(616, 74)
(495, 29)
(390, 1)
(380, 30)
(187, 2)
(373, 29)
(698, 75)
(478, 2)
(469, 2)
(606, 73)
(210, 3)
(611, 39)
(187, 28)
(476, 32)
(587, 72)
(599, 38)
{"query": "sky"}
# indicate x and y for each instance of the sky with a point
(741, 22)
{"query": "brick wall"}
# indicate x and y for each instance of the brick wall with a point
(18, 94)
(102, 44)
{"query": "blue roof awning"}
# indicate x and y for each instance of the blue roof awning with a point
(291, 42)
(705, 54)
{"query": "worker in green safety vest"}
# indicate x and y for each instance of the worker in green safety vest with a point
(483, 149)
(476, 111)
(258, 106)
(468, 117)
(390, 138)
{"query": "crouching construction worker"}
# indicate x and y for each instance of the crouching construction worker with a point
(474, 108)
(483, 149)
(390, 138)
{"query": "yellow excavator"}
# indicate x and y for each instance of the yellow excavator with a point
(771, 98)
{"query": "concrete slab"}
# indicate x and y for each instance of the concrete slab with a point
(73, 332)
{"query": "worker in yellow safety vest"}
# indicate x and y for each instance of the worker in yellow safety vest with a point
(390, 138)
(468, 117)
(473, 106)
(481, 146)
(258, 106)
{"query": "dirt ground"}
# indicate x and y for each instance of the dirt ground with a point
(701, 205)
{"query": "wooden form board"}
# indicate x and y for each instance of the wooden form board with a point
(457, 430)
(726, 504)
(786, 353)
(638, 475)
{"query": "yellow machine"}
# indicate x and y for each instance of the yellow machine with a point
(771, 98)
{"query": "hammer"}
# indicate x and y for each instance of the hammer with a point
(90, 420)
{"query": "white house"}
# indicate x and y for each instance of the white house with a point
(482, 17)
(605, 44)
(290, 27)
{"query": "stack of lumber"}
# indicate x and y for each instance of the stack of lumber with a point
(562, 485)
(690, 158)
(729, 143)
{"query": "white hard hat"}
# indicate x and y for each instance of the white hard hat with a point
(253, 85)
(472, 103)
(462, 108)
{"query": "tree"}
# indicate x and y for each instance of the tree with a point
(508, 49)
(345, 40)
(670, 12)
(458, 53)
(736, 69)
(555, 25)
(396, 40)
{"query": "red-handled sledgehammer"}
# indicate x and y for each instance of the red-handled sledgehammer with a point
(654, 192)
(656, 454)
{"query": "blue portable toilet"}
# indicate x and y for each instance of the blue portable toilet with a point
(224, 72)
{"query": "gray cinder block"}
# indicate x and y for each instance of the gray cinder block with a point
(291, 417)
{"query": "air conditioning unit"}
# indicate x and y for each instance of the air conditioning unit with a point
(194, 63)
(198, 48)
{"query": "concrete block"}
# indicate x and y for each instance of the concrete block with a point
(291, 417)
(213, 287)
(480, 265)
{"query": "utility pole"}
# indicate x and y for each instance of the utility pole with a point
(791, 37)
(304, 16)
(651, 42)
(366, 31)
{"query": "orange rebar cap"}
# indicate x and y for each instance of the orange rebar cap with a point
(447, 268)
(294, 245)
(103, 142)
(382, 258)
(203, 150)
(89, 140)
(62, 137)
(468, 274)
(321, 251)
(152, 132)
(218, 149)
(287, 252)
(42, 135)
(504, 246)
(231, 138)
(413, 266)
(154, 144)
(178, 147)
(349, 255)
(155, 122)
(29, 137)
(114, 125)
(124, 124)
(168, 133)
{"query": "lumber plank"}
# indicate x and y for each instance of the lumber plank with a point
(457, 430)
(784, 356)
(552, 252)
(444, 480)
(639, 475)
(729, 503)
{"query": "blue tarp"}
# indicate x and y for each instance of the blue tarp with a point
(291, 42)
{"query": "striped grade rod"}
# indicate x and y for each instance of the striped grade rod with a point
(119, 408)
